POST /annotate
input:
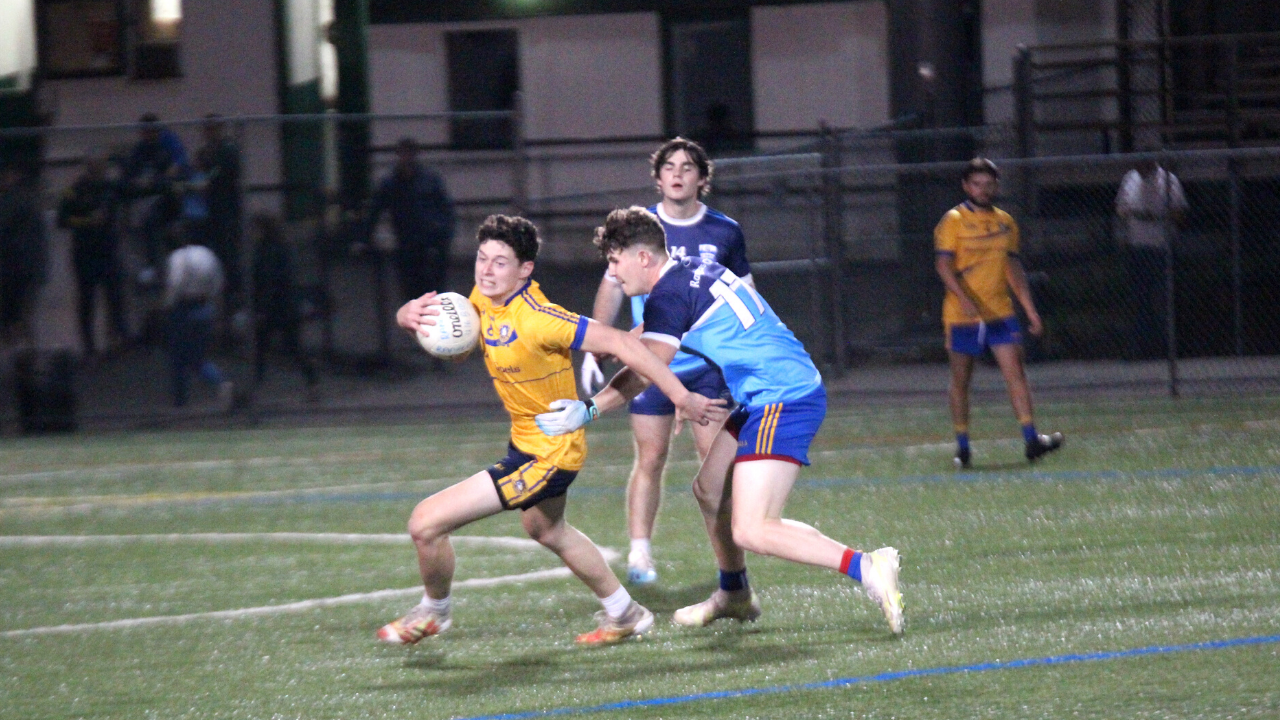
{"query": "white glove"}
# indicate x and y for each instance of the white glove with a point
(591, 375)
(567, 416)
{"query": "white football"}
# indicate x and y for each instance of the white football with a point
(456, 330)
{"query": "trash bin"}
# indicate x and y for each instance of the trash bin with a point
(44, 382)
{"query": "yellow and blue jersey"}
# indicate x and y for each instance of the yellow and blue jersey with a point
(981, 241)
(528, 343)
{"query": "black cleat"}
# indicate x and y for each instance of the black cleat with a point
(1043, 445)
(962, 458)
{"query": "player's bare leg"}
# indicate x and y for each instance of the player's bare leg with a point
(545, 523)
(651, 435)
(1009, 357)
(761, 488)
(622, 617)
(958, 397)
(429, 527)
(714, 491)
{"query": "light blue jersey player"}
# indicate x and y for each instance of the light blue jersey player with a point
(682, 172)
(708, 311)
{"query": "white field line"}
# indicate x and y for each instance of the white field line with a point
(610, 555)
(337, 538)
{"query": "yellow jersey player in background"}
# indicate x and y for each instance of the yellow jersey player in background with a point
(527, 344)
(976, 245)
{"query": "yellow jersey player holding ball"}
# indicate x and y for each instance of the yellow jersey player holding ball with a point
(976, 246)
(527, 343)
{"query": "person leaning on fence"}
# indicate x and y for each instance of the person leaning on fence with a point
(156, 163)
(423, 218)
(977, 259)
(89, 209)
(1152, 203)
(23, 253)
(276, 305)
(219, 160)
(193, 283)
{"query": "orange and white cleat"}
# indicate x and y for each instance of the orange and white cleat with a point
(635, 622)
(421, 622)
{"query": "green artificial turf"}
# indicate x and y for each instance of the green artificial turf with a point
(1157, 525)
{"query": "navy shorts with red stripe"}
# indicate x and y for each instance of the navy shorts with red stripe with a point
(778, 431)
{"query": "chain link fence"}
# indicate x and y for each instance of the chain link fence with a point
(838, 225)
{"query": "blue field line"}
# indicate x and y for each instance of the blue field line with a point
(888, 677)
(584, 488)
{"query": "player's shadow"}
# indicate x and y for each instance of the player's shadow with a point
(995, 467)
(664, 600)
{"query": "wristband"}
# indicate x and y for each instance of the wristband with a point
(593, 412)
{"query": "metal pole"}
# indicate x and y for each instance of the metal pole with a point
(519, 159)
(833, 235)
(1237, 282)
(1025, 107)
(1171, 333)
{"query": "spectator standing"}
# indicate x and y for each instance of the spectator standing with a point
(219, 160)
(1151, 203)
(275, 298)
(23, 253)
(193, 284)
(89, 209)
(155, 167)
(423, 219)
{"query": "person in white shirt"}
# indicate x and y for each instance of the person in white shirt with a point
(193, 283)
(1152, 203)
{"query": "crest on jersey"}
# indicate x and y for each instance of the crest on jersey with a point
(707, 252)
(495, 336)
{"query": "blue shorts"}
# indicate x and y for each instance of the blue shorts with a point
(778, 431)
(972, 339)
(705, 381)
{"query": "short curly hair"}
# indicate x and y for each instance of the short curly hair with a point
(706, 168)
(517, 232)
(626, 227)
(980, 165)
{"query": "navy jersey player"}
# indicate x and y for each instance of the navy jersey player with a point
(683, 173)
(708, 310)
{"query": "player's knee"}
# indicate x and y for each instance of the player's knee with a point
(541, 530)
(748, 536)
(422, 525)
(708, 501)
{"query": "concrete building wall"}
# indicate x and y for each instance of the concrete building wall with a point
(825, 62)
(229, 66)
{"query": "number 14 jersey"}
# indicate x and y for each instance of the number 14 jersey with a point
(706, 310)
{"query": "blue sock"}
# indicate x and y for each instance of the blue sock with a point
(733, 580)
(1029, 432)
(962, 440)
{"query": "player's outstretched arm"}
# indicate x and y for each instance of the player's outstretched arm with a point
(418, 312)
(643, 365)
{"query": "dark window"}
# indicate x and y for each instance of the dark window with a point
(81, 38)
(484, 74)
(709, 82)
(157, 34)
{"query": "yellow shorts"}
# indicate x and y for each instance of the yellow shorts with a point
(523, 480)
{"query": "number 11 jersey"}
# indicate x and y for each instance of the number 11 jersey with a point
(706, 310)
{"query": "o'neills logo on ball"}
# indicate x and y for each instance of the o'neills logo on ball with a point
(450, 310)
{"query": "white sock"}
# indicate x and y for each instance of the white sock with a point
(617, 603)
(442, 606)
(641, 545)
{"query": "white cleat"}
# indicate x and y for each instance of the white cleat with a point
(880, 580)
(720, 605)
(640, 570)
